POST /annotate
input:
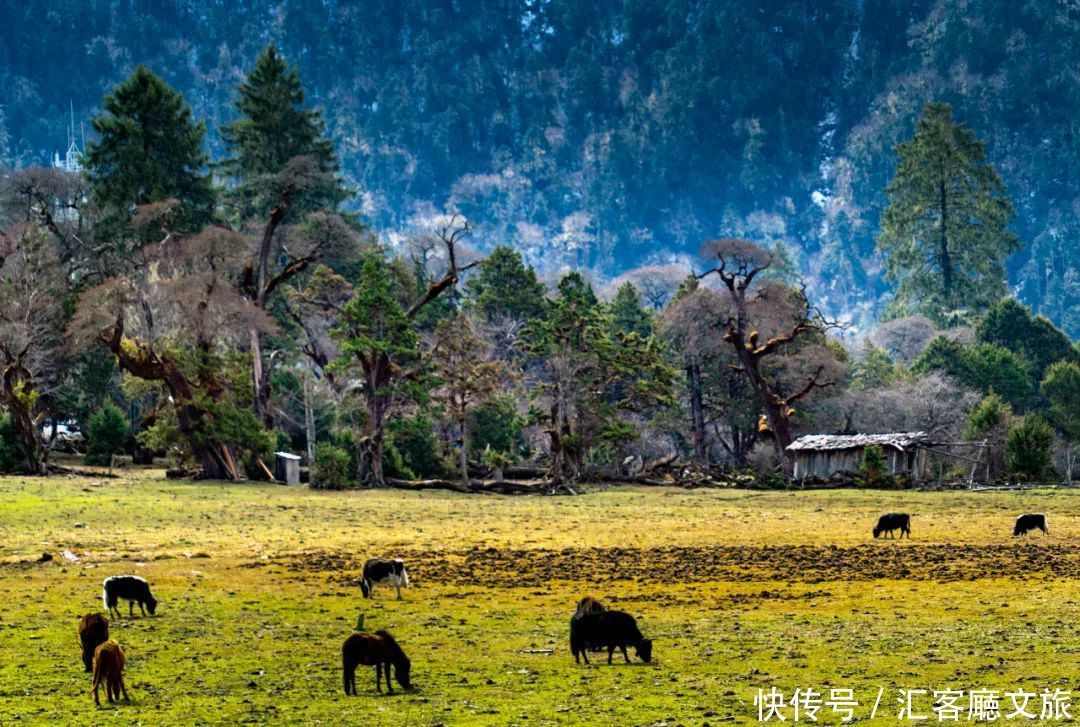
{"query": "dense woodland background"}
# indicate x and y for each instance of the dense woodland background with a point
(543, 240)
(611, 134)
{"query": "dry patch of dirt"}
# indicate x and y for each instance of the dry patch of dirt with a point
(511, 568)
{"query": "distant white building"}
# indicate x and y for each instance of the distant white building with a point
(71, 161)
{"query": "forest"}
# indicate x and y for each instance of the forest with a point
(607, 136)
(216, 308)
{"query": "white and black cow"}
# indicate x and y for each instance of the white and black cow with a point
(1031, 521)
(132, 589)
(390, 571)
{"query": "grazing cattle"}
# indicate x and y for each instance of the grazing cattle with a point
(611, 629)
(1030, 521)
(93, 631)
(379, 650)
(384, 570)
(588, 605)
(109, 668)
(894, 521)
(132, 589)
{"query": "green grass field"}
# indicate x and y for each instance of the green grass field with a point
(740, 590)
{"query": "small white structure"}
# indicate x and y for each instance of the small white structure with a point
(287, 468)
(71, 161)
(823, 455)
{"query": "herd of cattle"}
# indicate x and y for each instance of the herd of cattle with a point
(592, 627)
(893, 521)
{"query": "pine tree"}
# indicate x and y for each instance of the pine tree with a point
(590, 376)
(272, 130)
(628, 313)
(377, 336)
(148, 150)
(944, 233)
(505, 288)
(284, 168)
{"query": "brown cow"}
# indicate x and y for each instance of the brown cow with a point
(109, 668)
(93, 630)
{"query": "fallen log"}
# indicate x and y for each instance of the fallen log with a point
(61, 470)
(436, 484)
(504, 487)
(660, 463)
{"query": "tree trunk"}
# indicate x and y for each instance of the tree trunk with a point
(17, 394)
(378, 407)
(464, 449)
(139, 359)
(260, 379)
(212, 464)
(944, 257)
(556, 447)
(309, 421)
(697, 412)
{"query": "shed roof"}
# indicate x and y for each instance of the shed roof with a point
(821, 442)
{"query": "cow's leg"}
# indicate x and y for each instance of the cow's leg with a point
(97, 699)
(123, 689)
(610, 651)
(624, 654)
(397, 586)
(389, 684)
(142, 609)
(131, 608)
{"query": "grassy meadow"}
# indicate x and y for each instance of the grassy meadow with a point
(740, 590)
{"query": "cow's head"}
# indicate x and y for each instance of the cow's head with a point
(644, 650)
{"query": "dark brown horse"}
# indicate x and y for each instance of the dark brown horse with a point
(379, 650)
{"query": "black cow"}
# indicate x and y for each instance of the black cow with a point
(1030, 521)
(132, 589)
(384, 570)
(607, 628)
(894, 521)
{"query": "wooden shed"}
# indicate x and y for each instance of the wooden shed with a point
(824, 455)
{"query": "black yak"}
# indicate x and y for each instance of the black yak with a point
(894, 521)
(611, 629)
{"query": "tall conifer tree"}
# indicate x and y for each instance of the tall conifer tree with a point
(284, 168)
(148, 150)
(945, 232)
